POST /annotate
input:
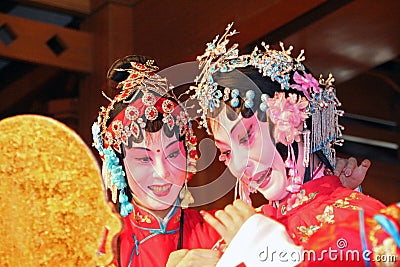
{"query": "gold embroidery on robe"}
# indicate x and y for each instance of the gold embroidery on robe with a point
(344, 203)
(384, 255)
(327, 216)
(300, 198)
(140, 218)
(391, 211)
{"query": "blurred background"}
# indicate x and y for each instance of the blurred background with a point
(54, 55)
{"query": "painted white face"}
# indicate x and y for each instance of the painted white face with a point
(156, 170)
(247, 149)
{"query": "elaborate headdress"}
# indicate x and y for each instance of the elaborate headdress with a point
(287, 113)
(145, 97)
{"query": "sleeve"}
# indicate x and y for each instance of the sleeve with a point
(362, 240)
(261, 241)
(197, 232)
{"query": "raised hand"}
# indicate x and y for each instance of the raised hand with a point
(350, 173)
(227, 222)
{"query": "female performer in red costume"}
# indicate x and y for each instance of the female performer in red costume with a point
(149, 152)
(269, 117)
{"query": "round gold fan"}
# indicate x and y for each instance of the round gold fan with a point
(52, 204)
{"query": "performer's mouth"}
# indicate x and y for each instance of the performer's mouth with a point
(261, 179)
(160, 190)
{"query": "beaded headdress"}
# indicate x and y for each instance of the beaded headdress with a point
(156, 102)
(320, 102)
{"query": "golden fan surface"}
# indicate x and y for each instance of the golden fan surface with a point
(52, 203)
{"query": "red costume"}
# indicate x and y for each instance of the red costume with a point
(324, 217)
(147, 241)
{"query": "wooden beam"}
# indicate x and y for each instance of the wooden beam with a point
(372, 133)
(31, 44)
(24, 86)
(98, 4)
(370, 96)
(77, 7)
(386, 79)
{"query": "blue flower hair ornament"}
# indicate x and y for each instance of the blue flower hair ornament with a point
(113, 174)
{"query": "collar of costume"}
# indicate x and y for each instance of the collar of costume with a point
(144, 219)
(156, 100)
(320, 101)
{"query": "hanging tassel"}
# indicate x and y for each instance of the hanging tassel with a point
(236, 189)
(306, 149)
(105, 172)
(186, 197)
(244, 193)
(295, 181)
(125, 206)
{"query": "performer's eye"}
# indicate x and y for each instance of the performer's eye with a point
(245, 139)
(144, 159)
(173, 154)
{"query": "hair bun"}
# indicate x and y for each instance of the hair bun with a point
(114, 77)
(125, 63)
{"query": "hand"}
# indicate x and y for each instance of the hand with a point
(227, 222)
(349, 173)
(193, 258)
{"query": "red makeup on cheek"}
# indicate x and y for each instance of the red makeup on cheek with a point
(251, 138)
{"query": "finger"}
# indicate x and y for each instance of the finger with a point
(179, 253)
(216, 224)
(198, 262)
(350, 166)
(207, 263)
(200, 258)
(238, 217)
(224, 217)
(205, 253)
(175, 257)
(340, 164)
(232, 211)
(363, 168)
(204, 257)
(245, 209)
(366, 164)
